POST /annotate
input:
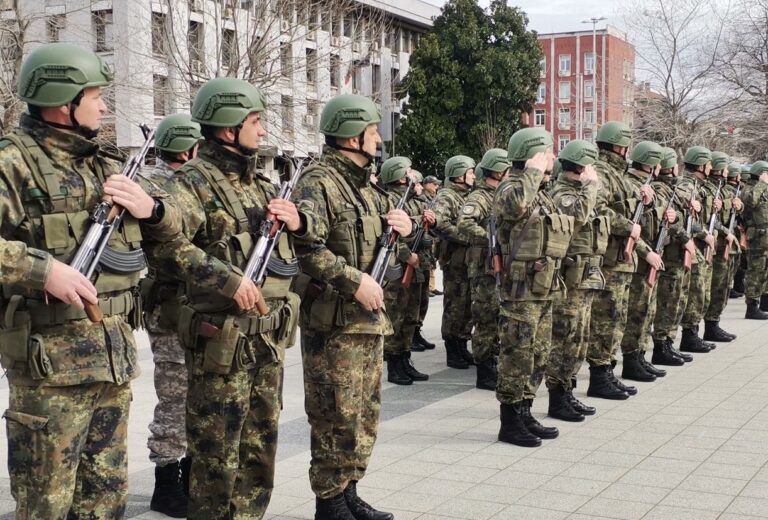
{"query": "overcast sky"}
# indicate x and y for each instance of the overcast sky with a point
(569, 13)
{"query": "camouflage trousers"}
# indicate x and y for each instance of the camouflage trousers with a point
(403, 305)
(671, 299)
(609, 317)
(424, 301)
(756, 280)
(342, 398)
(641, 310)
(67, 451)
(232, 424)
(525, 332)
(167, 441)
(570, 336)
(457, 303)
(485, 318)
(698, 294)
(723, 271)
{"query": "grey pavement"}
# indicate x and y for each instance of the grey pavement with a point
(692, 445)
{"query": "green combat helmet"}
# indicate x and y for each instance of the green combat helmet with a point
(578, 151)
(746, 170)
(226, 102)
(177, 133)
(758, 168)
(418, 178)
(697, 155)
(614, 132)
(457, 166)
(527, 142)
(734, 170)
(54, 74)
(394, 169)
(494, 160)
(348, 115)
(719, 161)
(431, 179)
(557, 169)
(668, 158)
(647, 153)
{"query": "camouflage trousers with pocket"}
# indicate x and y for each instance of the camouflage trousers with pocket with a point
(403, 306)
(485, 318)
(698, 294)
(570, 336)
(457, 303)
(671, 299)
(609, 317)
(641, 310)
(723, 271)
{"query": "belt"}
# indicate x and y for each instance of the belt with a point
(249, 325)
(57, 313)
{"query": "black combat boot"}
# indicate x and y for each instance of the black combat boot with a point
(512, 428)
(417, 347)
(682, 355)
(733, 294)
(576, 404)
(713, 332)
(168, 497)
(560, 407)
(663, 355)
(487, 374)
(410, 370)
(359, 508)
(185, 464)
(421, 340)
(465, 353)
(454, 359)
(601, 384)
(633, 369)
(395, 372)
(648, 366)
(691, 342)
(631, 390)
(534, 426)
(334, 508)
(754, 312)
(764, 303)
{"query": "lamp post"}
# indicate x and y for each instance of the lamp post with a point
(594, 21)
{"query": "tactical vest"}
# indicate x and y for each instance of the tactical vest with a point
(450, 252)
(55, 223)
(477, 253)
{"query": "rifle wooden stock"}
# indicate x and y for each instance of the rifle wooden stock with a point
(687, 260)
(709, 254)
(93, 311)
(497, 264)
(408, 276)
(743, 240)
(629, 248)
(727, 251)
(653, 273)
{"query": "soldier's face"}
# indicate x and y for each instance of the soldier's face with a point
(91, 109)
(431, 188)
(419, 189)
(252, 131)
(707, 168)
(469, 177)
(372, 139)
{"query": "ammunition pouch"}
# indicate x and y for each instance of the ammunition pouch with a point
(21, 351)
(322, 308)
(757, 237)
(230, 345)
(533, 278)
(164, 297)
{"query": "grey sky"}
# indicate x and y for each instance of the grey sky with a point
(564, 15)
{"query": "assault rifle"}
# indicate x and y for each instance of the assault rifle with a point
(387, 242)
(709, 252)
(105, 220)
(731, 225)
(687, 257)
(494, 251)
(629, 246)
(661, 240)
(269, 235)
(416, 247)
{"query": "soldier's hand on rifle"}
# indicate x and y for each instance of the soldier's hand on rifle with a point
(730, 238)
(429, 217)
(413, 261)
(130, 195)
(540, 161)
(636, 229)
(400, 221)
(718, 204)
(285, 211)
(764, 177)
(588, 175)
(647, 194)
(737, 204)
(690, 247)
(247, 294)
(696, 206)
(69, 286)
(671, 215)
(369, 293)
(654, 260)
(710, 240)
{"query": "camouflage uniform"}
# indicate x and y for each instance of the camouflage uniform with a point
(427, 264)
(342, 343)
(723, 269)
(235, 369)
(473, 226)
(167, 442)
(67, 421)
(756, 203)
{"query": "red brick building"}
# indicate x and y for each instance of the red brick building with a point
(577, 92)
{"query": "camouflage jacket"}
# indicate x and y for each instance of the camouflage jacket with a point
(414, 207)
(686, 186)
(473, 226)
(76, 351)
(756, 202)
(448, 203)
(664, 186)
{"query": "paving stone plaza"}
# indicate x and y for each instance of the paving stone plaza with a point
(692, 445)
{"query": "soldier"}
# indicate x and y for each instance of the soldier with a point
(609, 307)
(342, 319)
(456, 329)
(756, 279)
(176, 142)
(533, 237)
(698, 165)
(69, 377)
(234, 354)
(722, 268)
(473, 225)
(672, 282)
(738, 279)
(426, 268)
(402, 303)
(575, 193)
(431, 186)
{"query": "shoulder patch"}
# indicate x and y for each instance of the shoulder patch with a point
(468, 209)
(567, 200)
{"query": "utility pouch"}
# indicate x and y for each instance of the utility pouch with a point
(39, 364)
(574, 272)
(220, 350)
(14, 334)
(543, 276)
(186, 327)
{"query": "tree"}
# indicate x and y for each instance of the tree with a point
(469, 81)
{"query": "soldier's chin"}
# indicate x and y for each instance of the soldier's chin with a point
(89, 132)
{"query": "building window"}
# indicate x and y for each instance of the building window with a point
(335, 71)
(589, 63)
(312, 110)
(161, 95)
(311, 55)
(589, 89)
(395, 82)
(376, 80)
(542, 68)
(562, 140)
(564, 92)
(195, 45)
(539, 117)
(159, 46)
(588, 135)
(286, 106)
(228, 48)
(349, 25)
(564, 118)
(285, 59)
(589, 116)
(103, 29)
(565, 65)
(541, 94)
(54, 25)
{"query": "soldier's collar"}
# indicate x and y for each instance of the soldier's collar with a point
(53, 139)
(612, 158)
(359, 176)
(226, 160)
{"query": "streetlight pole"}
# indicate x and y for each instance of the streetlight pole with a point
(594, 21)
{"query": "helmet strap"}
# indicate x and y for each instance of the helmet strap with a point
(88, 133)
(359, 150)
(244, 150)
